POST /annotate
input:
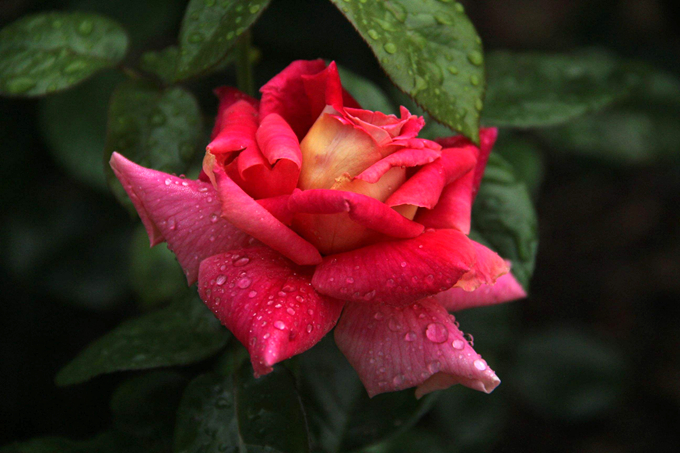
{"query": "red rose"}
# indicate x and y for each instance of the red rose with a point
(309, 206)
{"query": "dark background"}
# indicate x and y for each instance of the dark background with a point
(590, 362)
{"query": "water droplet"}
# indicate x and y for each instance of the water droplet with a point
(436, 332)
(220, 280)
(435, 366)
(254, 9)
(85, 27)
(443, 19)
(398, 379)
(394, 325)
(252, 294)
(460, 8)
(458, 344)
(241, 261)
(213, 217)
(403, 264)
(172, 224)
(20, 85)
(290, 311)
(470, 339)
(390, 282)
(373, 34)
(390, 47)
(453, 69)
(196, 38)
(280, 325)
(310, 328)
(378, 316)
(410, 336)
(350, 280)
(479, 365)
(397, 10)
(419, 84)
(479, 105)
(243, 282)
(475, 57)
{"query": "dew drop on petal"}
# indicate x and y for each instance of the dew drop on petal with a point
(410, 336)
(243, 282)
(458, 344)
(436, 332)
(220, 280)
(280, 325)
(479, 365)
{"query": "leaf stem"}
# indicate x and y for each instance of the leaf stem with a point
(244, 68)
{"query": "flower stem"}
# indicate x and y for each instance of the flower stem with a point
(244, 69)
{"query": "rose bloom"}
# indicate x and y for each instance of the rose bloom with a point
(311, 211)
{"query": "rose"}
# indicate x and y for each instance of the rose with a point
(309, 206)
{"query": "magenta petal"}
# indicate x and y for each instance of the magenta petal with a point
(364, 210)
(397, 271)
(278, 207)
(425, 187)
(402, 158)
(487, 138)
(183, 212)
(229, 96)
(506, 289)
(285, 94)
(454, 208)
(397, 347)
(267, 302)
(325, 88)
(244, 212)
(237, 130)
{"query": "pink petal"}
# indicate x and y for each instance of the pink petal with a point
(285, 94)
(487, 138)
(397, 271)
(244, 212)
(385, 128)
(229, 96)
(396, 347)
(402, 158)
(278, 207)
(454, 208)
(487, 269)
(506, 289)
(237, 130)
(267, 302)
(425, 187)
(183, 212)
(364, 210)
(324, 88)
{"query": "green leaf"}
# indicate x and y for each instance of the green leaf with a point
(183, 333)
(341, 415)
(536, 90)
(144, 408)
(209, 30)
(412, 441)
(49, 52)
(154, 127)
(503, 217)
(367, 93)
(525, 157)
(642, 130)
(155, 274)
(569, 374)
(238, 413)
(431, 51)
(73, 124)
(108, 442)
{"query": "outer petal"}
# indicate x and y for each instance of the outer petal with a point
(285, 94)
(397, 347)
(237, 131)
(487, 138)
(506, 289)
(248, 215)
(487, 269)
(325, 88)
(229, 96)
(183, 212)
(363, 209)
(454, 208)
(267, 302)
(425, 187)
(397, 271)
(402, 158)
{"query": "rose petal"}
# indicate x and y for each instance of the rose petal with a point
(324, 88)
(425, 187)
(487, 269)
(364, 210)
(397, 271)
(506, 289)
(237, 132)
(285, 94)
(385, 128)
(402, 158)
(454, 208)
(487, 138)
(267, 302)
(229, 96)
(245, 213)
(183, 212)
(396, 347)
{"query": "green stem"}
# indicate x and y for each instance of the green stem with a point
(244, 69)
